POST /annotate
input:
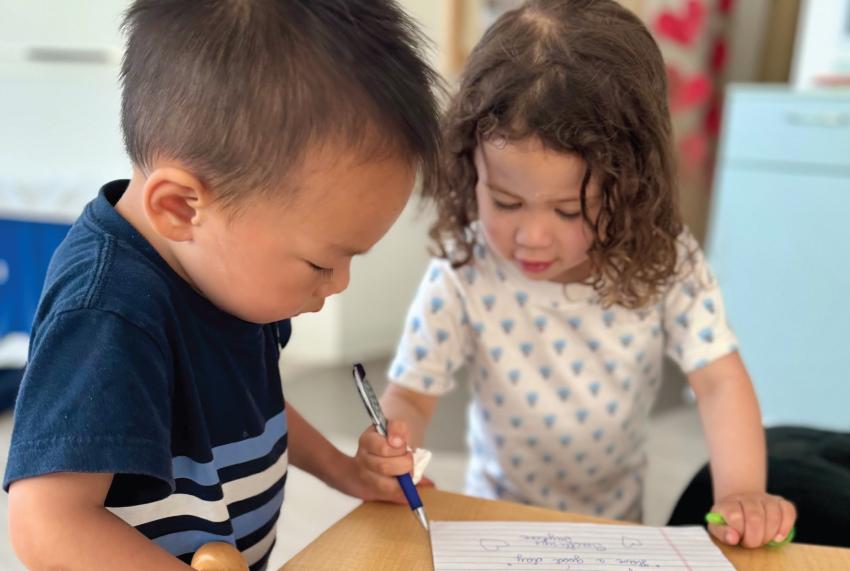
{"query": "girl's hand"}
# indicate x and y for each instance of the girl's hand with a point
(753, 519)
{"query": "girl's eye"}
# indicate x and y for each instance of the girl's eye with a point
(568, 215)
(324, 272)
(506, 205)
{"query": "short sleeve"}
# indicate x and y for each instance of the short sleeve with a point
(435, 342)
(95, 398)
(695, 324)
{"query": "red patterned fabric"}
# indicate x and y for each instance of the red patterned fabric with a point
(693, 36)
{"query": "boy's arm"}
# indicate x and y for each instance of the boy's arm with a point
(316, 455)
(57, 521)
(732, 424)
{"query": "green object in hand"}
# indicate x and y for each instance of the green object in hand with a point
(716, 518)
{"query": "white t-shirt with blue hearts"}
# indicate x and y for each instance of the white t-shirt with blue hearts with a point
(561, 386)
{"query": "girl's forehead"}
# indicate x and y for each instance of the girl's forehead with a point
(524, 162)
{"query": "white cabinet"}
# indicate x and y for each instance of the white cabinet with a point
(779, 241)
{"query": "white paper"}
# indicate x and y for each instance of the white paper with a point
(493, 545)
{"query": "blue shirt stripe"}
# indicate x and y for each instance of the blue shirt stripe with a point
(206, 473)
(250, 522)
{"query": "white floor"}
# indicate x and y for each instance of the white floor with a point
(676, 451)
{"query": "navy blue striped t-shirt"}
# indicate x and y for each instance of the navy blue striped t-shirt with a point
(132, 372)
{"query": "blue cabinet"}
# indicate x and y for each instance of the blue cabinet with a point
(779, 242)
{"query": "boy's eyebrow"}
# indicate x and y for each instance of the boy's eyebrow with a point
(497, 188)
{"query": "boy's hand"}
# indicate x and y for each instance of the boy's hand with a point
(753, 519)
(379, 460)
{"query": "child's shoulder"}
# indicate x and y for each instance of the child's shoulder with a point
(693, 273)
(466, 268)
(98, 272)
(690, 259)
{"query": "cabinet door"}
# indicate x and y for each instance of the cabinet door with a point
(780, 246)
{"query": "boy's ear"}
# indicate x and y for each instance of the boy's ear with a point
(174, 201)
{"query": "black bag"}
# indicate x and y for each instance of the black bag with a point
(808, 467)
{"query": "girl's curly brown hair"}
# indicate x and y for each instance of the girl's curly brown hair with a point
(585, 77)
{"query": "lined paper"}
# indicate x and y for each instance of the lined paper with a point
(541, 546)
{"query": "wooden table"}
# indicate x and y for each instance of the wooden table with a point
(380, 536)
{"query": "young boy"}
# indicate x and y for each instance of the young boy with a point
(271, 141)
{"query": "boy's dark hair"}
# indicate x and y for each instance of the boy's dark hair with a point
(239, 90)
(585, 77)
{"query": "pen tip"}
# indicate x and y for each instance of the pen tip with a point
(423, 519)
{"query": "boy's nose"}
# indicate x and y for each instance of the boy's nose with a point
(338, 281)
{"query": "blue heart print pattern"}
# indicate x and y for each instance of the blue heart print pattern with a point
(558, 380)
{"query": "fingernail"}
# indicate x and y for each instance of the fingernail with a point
(779, 537)
(395, 441)
(730, 537)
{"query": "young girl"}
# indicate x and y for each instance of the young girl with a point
(565, 276)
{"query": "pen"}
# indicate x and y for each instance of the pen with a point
(370, 401)
(716, 518)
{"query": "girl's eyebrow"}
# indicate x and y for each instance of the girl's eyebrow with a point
(499, 189)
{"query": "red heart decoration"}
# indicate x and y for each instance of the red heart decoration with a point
(713, 117)
(682, 28)
(686, 92)
(718, 55)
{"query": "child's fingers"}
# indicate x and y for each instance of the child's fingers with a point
(374, 443)
(754, 522)
(789, 516)
(392, 466)
(385, 465)
(772, 519)
(724, 533)
(387, 489)
(397, 434)
(733, 531)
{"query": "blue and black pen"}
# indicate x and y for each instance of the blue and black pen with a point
(380, 423)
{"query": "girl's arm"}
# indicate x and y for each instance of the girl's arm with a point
(57, 521)
(732, 424)
(415, 409)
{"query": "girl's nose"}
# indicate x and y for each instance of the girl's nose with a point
(533, 233)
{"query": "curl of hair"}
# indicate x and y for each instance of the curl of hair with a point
(585, 77)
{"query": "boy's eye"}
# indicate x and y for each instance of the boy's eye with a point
(325, 272)
(568, 215)
(506, 205)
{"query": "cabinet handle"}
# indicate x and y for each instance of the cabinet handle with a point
(44, 54)
(825, 119)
